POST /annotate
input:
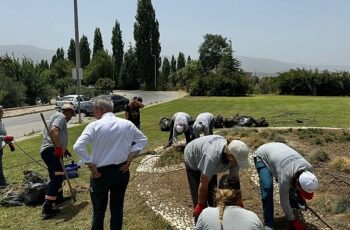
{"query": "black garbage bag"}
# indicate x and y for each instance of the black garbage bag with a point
(165, 124)
(35, 187)
(261, 122)
(229, 122)
(246, 121)
(34, 193)
(218, 121)
(12, 198)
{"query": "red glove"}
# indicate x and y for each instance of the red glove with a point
(297, 225)
(8, 139)
(58, 152)
(198, 209)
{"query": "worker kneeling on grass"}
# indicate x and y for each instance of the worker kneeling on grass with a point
(294, 177)
(207, 156)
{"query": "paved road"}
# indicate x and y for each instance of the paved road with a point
(21, 126)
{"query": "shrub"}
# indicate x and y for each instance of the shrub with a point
(341, 164)
(318, 156)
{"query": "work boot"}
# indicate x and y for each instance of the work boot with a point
(61, 199)
(48, 212)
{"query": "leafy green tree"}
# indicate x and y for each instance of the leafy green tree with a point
(165, 73)
(98, 43)
(228, 64)
(43, 64)
(101, 66)
(58, 56)
(129, 74)
(181, 62)
(60, 76)
(146, 35)
(85, 51)
(117, 50)
(189, 59)
(211, 51)
(71, 51)
(104, 86)
(173, 64)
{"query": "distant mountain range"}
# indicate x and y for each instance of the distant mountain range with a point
(258, 66)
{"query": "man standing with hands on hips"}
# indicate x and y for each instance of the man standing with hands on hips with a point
(111, 141)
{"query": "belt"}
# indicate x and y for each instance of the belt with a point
(111, 166)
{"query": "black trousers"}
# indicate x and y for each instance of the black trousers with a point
(193, 177)
(55, 173)
(2, 177)
(113, 182)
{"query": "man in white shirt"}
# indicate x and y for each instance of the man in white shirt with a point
(114, 143)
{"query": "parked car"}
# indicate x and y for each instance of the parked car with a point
(85, 104)
(119, 101)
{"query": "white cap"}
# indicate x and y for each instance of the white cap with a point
(198, 127)
(240, 151)
(179, 128)
(308, 182)
(68, 106)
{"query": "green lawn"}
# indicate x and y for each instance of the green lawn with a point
(278, 111)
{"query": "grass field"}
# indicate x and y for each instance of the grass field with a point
(278, 111)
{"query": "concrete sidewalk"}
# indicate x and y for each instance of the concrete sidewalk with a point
(27, 110)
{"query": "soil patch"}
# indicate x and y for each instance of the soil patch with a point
(168, 192)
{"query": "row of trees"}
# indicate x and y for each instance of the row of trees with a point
(216, 72)
(305, 82)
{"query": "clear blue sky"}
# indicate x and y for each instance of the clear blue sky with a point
(298, 31)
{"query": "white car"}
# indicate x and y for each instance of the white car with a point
(85, 104)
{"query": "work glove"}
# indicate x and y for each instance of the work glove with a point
(58, 152)
(198, 209)
(67, 154)
(8, 139)
(297, 225)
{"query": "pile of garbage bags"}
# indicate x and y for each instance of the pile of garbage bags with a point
(33, 192)
(237, 120)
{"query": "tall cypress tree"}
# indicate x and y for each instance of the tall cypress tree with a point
(117, 50)
(181, 62)
(71, 51)
(98, 43)
(146, 35)
(189, 59)
(85, 51)
(165, 72)
(173, 64)
(129, 73)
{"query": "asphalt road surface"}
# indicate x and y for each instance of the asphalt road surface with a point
(23, 126)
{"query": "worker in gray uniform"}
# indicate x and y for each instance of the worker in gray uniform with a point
(207, 156)
(180, 123)
(204, 123)
(294, 176)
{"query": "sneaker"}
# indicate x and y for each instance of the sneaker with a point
(48, 213)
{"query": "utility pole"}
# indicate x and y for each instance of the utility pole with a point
(77, 52)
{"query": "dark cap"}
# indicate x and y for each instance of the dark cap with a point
(229, 182)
